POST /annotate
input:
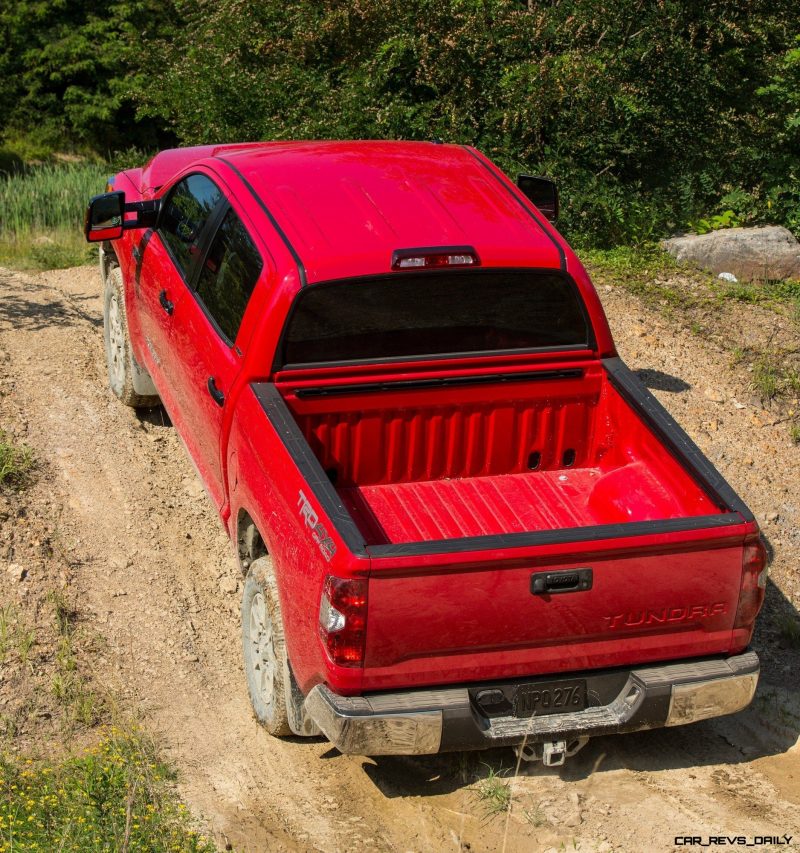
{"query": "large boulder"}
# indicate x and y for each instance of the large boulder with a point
(751, 254)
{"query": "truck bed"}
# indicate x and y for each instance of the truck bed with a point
(560, 449)
(480, 506)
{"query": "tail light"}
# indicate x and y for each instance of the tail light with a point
(343, 620)
(754, 582)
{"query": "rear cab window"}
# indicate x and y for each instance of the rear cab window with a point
(434, 314)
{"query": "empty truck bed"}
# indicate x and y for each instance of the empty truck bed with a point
(561, 450)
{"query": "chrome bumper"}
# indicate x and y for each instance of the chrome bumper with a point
(422, 722)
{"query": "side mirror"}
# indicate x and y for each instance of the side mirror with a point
(105, 217)
(542, 192)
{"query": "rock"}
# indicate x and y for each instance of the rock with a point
(195, 489)
(728, 276)
(714, 395)
(228, 585)
(772, 516)
(752, 254)
(17, 572)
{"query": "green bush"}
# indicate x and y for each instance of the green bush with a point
(646, 114)
(114, 796)
(649, 115)
(16, 462)
(10, 162)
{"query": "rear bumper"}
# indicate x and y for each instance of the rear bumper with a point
(434, 720)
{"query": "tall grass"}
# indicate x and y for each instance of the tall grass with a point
(41, 214)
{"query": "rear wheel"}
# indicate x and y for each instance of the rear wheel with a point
(122, 367)
(276, 699)
(264, 648)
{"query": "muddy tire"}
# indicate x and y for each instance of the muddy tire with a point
(265, 661)
(123, 371)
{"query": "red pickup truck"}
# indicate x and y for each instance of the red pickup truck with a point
(462, 520)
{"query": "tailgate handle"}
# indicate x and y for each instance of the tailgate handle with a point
(550, 583)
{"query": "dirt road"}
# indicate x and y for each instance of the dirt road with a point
(155, 578)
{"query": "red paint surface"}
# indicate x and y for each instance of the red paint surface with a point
(428, 465)
(475, 621)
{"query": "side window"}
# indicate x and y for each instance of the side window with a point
(185, 214)
(229, 275)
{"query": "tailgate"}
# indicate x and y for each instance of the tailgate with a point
(447, 618)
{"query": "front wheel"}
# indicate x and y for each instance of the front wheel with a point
(124, 374)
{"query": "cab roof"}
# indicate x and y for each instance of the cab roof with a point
(345, 207)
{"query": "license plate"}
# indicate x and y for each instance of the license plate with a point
(554, 697)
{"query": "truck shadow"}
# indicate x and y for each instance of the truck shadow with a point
(29, 309)
(156, 416)
(656, 380)
(769, 727)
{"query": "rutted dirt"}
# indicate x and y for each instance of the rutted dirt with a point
(154, 577)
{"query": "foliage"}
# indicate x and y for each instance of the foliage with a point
(650, 115)
(66, 70)
(727, 219)
(494, 793)
(16, 463)
(114, 796)
(636, 108)
(41, 213)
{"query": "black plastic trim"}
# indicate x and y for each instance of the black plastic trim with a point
(560, 536)
(301, 270)
(445, 356)
(682, 447)
(521, 203)
(438, 382)
(558, 583)
(147, 213)
(312, 472)
(140, 256)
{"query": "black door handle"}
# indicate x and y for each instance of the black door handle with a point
(168, 306)
(216, 394)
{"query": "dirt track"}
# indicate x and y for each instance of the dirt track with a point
(154, 572)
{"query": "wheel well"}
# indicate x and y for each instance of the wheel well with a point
(249, 543)
(108, 259)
